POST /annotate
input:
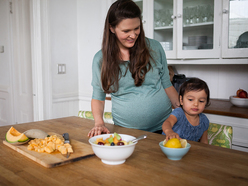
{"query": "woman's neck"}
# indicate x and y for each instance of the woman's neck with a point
(125, 55)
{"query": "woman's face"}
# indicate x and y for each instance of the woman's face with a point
(127, 32)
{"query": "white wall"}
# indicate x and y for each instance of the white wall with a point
(64, 50)
(223, 80)
(76, 29)
(91, 18)
(64, 47)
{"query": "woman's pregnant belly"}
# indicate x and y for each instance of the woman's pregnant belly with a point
(146, 111)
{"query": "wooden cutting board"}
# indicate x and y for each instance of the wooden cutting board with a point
(80, 151)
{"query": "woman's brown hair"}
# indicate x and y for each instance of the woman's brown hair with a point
(139, 54)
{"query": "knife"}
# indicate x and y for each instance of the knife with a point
(67, 140)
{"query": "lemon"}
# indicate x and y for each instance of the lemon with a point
(173, 143)
(183, 143)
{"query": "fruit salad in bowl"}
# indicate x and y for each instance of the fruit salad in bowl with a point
(113, 149)
(112, 140)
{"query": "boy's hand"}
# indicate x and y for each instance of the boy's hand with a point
(171, 134)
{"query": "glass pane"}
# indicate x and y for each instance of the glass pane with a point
(238, 24)
(198, 25)
(140, 4)
(163, 23)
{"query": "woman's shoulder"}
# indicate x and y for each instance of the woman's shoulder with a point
(152, 42)
(98, 54)
(97, 57)
(156, 49)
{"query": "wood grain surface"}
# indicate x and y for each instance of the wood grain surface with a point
(226, 108)
(81, 151)
(203, 165)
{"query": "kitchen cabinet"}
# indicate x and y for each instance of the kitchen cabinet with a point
(240, 129)
(192, 29)
(235, 29)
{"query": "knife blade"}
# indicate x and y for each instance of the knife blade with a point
(67, 140)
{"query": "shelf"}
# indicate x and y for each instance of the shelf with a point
(185, 26)
(198, 24)
(164, 28)
(218, 61)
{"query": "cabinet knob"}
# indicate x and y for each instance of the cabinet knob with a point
(173, 17)
(224, 11)
(179, 15)
(143, 21)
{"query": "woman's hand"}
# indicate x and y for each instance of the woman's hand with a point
(97, 130)
(171, 134)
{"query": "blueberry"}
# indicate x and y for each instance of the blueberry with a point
(112, 144)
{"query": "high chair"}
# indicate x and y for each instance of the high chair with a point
(220, 135)
(107, 116)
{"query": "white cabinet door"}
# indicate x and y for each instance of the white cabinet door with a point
(198, 29)
(163, 27)
(235, 29)
(198, 38)
(146, 6)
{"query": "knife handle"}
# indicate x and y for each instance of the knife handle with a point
(66, 136)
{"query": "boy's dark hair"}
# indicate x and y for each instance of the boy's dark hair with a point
(195, 84)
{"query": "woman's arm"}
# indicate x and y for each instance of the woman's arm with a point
(173, 96)
(97, 107)
(167, 127)
(204, 138)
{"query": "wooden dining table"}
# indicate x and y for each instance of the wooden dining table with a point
(202, 165)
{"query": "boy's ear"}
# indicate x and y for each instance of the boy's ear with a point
(181, 100)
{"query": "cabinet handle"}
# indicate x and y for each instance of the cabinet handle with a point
(179, 15)
(224, 11)
(173, 17)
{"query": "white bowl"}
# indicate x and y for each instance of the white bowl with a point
(239, 102)
(113, 155)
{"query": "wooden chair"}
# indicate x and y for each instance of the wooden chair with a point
(107, 116)
(220, 135)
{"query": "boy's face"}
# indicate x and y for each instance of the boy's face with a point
(194, 102)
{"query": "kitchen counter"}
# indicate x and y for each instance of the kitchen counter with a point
(223, 107)
(203, 165)
(226, 108)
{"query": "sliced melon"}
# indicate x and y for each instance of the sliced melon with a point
(13, 136)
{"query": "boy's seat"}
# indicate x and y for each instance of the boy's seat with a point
(220, 135)
(107, 116)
